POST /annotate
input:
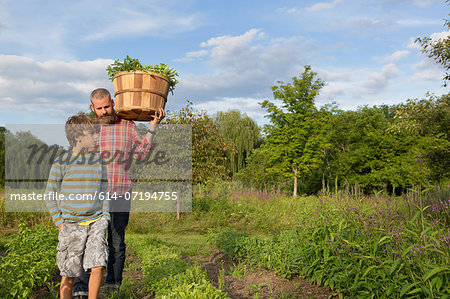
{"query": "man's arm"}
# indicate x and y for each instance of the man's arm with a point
(159, 115)
(143, 145)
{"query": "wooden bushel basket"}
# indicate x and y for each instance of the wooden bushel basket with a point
(139, 94)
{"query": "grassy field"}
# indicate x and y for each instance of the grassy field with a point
(352, 246)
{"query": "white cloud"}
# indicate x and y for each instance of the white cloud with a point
(418, 3)
(330, 93)
(439, 35)
(289, 10)
(335, 74)
(242, 64)
(248, 105)
(396, 56)
(428, 75)
(378, 81)
(223, 49)
(52, 89)
(418, 22)
(412, 44)
(427, 70)
(421, 3)
(434, 38)
(149, 20)
(57, 29)
(323, 5)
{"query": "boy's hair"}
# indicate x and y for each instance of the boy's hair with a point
(100, 93)
(77, 124)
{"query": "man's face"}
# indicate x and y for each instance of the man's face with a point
(102, 106)
(104, 110)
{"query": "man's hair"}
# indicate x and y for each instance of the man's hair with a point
(100, 93)
(77, 124)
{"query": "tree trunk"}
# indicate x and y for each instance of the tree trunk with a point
(295, 187)
(294, 194)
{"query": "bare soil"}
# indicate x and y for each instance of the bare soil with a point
(254, 283)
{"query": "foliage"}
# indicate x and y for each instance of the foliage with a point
(439, 50)
(133, 64)
(243, 132)
(30, 263)
(28, 159)
(429, 121)
(294, 137)
(165, 274)
(357, 249)
(390, 148)
(208, 146)
(257, 173)
(364, 152)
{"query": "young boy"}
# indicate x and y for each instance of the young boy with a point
(79, 180)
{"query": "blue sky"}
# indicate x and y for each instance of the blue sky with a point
(228, 53)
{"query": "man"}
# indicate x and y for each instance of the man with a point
(118, 143)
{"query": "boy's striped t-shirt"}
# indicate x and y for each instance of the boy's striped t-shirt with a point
(81, 183)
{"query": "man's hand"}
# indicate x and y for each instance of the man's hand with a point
(159, 115)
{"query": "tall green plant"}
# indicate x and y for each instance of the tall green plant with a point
(294, 137)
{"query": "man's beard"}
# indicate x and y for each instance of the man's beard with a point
(106, 119)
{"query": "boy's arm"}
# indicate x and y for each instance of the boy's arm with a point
(104, 190)
(54, 187)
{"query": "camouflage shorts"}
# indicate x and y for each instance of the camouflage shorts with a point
(81, 247)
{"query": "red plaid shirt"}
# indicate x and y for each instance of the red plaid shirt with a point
(118, 144)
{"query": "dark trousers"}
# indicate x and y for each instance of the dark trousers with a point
(116, 247)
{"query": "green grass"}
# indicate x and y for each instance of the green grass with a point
(192, 244)
(328, 238)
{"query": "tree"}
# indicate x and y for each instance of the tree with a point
(208, 146)
(428, 120)
(241, 131)
(438, 50)
(256, 172)
(294, 137)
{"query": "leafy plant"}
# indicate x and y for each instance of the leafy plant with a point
(30, 263)
(133, 64)
(354, 249)
(166, 275)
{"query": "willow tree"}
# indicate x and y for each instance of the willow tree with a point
(295, 136)
(241, 131)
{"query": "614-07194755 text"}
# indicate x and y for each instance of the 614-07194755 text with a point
(146, 195)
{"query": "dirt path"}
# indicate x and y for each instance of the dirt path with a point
(240, 282)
